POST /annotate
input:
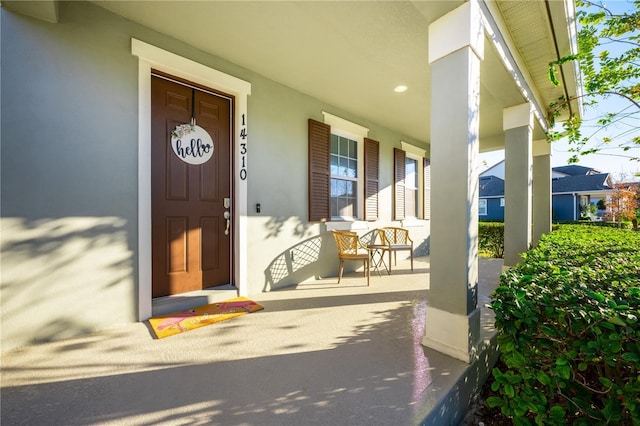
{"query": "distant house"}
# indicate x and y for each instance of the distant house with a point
(491, 203)
(576, 189)
(572, 187)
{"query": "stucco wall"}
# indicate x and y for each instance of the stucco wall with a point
(69, 175)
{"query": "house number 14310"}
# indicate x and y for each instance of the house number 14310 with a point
(243, 150)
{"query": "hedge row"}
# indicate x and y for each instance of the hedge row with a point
(621, 225)
(491, 238)
(569, 335)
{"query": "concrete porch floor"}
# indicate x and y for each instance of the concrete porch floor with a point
(318, 354)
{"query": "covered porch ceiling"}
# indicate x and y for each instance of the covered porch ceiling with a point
(352, 54)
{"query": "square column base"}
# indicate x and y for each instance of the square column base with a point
(455, 335)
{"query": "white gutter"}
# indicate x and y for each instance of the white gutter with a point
(581, 192)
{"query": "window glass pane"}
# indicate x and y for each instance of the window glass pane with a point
(344, 146)
(352, 169)
(482, 207)
(411, 173)
(341, 167)
(337, 188)
(353, 149)
(334, 206)
(334, 165)
(411, 187)
(411, 203)
(350, 188)
(344, 174)
(343, 198)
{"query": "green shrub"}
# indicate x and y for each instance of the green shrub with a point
(621, 225)
(568, 327)
(491, 238)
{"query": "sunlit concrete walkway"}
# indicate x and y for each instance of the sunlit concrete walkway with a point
(318, 354)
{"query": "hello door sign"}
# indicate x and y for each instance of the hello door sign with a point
(192, 144)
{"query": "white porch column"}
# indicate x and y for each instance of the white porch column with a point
(455, 51)
(541, 189)
(518, 127)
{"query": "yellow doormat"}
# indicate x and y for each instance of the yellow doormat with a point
(178, 322)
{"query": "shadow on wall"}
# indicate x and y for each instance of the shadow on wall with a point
(313, 257)
(64, 277)
(275, 226)
(295, 264)
(423, 248)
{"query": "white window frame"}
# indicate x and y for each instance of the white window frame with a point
(419, 190)
(353, 131)
(419, 154)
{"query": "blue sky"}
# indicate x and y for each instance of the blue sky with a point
(613, 160)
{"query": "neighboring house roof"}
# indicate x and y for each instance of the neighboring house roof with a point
(573, 170)
(495, 170)
(491, 186)
(581, 183)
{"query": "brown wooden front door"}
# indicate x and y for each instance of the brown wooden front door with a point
(190, 249)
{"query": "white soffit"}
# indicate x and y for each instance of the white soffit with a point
(319, 48)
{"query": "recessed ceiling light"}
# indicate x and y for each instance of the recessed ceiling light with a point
(400, 89)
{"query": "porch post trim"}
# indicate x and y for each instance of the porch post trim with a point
(452, 313)
(542, 189)
(518, 126)
(453, 334)
(456, 30)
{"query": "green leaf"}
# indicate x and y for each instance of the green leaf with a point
(564, 371)
(509, 390)
(631, 357)
(617, 321)
(605, 382)
(599, 297)
(494, 401)
(557, 413)
(607, 325)
(543, 378)
(551, 72)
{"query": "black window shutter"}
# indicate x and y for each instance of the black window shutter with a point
(399, 158)
(371, 172)
(426, 200)
(319, 153)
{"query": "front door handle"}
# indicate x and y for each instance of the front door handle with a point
(227, 216)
